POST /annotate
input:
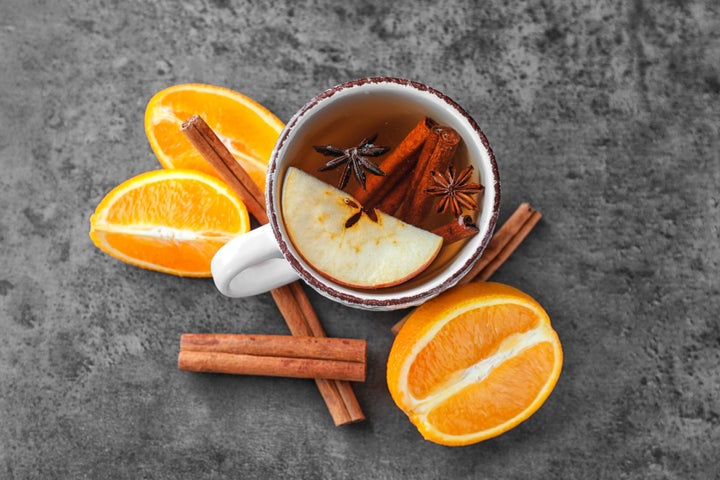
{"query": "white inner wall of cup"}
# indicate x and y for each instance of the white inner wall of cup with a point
(391, 110)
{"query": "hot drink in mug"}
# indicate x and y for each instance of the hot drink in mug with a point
(381, 193)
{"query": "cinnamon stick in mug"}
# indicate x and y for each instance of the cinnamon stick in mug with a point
(458, 229)
(435, 157)
(396, 165)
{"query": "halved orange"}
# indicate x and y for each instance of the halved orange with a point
(171, 221)
(473, 363)
(247, 129)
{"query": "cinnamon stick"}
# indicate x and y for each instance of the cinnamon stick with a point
(395, 202)
(338, 395)
(458, 229)
(291, 299)
(392, 202)
(433, 158)
(219, 157)
(396, 165)
(288, 367)
(301, 319)
(421, 165)
(514, 230)
(503, 243)
(320, 348)
(273, 355)
(509, 248)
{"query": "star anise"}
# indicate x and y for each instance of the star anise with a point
(354, 218)
(355, 160)
(455, 191)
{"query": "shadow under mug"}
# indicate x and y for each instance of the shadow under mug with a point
(265, 258)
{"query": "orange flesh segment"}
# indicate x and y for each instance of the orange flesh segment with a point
(503, 395)
(166, 253)
(464, 341)
(227, 124)
(246, 128)
(149, 205)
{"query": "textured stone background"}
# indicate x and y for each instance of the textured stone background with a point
(603, 114)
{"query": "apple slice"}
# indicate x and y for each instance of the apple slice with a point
(342, 242)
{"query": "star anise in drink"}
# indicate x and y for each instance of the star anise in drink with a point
(455, 192)
(355, 159)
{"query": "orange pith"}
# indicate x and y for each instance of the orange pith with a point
(172, 221)
(474, 362)
(247, 128)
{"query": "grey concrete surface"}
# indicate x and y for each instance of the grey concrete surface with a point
(603, 114)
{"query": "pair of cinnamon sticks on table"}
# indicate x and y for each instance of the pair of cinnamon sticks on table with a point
(297, 355)
(274, 355)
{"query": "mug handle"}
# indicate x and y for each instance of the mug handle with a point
(251, 264)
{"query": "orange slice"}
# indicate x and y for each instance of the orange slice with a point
(473, 363)
(170, 221)
(246, 128)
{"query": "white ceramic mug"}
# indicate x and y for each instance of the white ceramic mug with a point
(265, 258)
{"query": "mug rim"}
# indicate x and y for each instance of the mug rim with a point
(402, 299)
